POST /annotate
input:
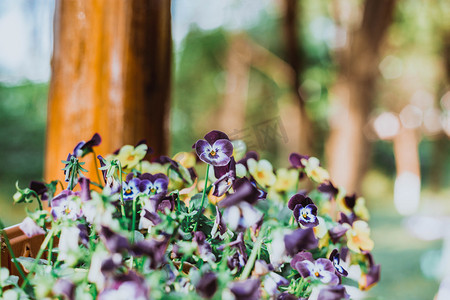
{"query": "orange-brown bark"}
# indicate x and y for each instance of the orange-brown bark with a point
(111, 71)
(347, 148)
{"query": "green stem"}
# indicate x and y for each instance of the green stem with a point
(133, 224)
(50, 250)
(38, 257)
(197, 217)
(38, 199)
(11, 252)
(122, 209)
(61, 184)
(251, 261)
(96, 169)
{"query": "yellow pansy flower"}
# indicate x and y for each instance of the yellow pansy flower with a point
(314, 170)
(186, 159)
(130, 156)
(152, 168)
(361, 210)
(262, 172)
(358, 236)
(286, 180)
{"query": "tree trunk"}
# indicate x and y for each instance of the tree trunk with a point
(302, 123)
(347, 148)
(111, 71)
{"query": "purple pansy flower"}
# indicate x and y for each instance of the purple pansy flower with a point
(131, 188)
(349, 219)
(321, 269)
(63, 206)
(30, 228)
(239, 259)
(154, 249)
(126, 286)
(300, 239)
(337, 292)
(40, 188)
(335, 259)
(328, 188)
(337, 232)
(207, 286)
(216, 149)
(240, 213)
(114, 242)
(296, 160)
(372, 276)
(246, 290)
(272, 281)
(305, 211)
(219, 228)
(251, 154)
(157, 186)
(83, 148)
(203, 247)
(226, 175)
(287, 296)
(64, 287)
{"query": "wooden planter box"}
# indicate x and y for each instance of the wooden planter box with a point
(21, 245)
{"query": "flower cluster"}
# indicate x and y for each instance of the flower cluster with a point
(140, 229)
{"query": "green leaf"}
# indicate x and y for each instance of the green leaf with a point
(12, 280)
(138, 236)
(27, 263)
(196, 200)
(349, 282)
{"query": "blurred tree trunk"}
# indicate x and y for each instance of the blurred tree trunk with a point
(111, 72)
(347, 148)
(232, 113)
(301, 132)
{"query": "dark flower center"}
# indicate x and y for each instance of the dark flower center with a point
(213, 153)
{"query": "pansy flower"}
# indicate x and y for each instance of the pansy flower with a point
(262, 172)
(300, 239)
(65, 288)
(220, 228)
(321, 269)
(239, 212)
(358, 236)
(153, 249)
(328, 188)
(305, 211)
(156, 186)
(336, 292)
(40, 188)
(207, 286)
(297, 160)
(30, 228)
(131, 189)
(286, 180)
(130, 156)
(66, 205)
(216, 149)
(372, 276)
(314, 170)
(335, 259)
(226, 175)
(83, 148)
(272, 281)
(126, 286)
(203, 247)
(246, 290)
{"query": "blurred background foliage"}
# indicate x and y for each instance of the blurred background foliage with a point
(413, 73)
